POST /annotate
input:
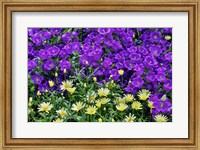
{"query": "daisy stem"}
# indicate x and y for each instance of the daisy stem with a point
(90, 118)
(56, 80)
(65, 76)
(65, 94)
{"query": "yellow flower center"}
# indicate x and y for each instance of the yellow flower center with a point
(129, 119)
(63, 113)
(92, 98)
(66, 86)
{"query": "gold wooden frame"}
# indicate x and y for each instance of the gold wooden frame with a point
(9, 6)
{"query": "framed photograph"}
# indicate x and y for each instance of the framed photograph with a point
(106, 75)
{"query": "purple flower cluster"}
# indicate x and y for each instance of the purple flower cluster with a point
(144, 54)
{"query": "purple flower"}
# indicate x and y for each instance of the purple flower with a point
(63, 53)
(43, 87)
(95, 55)
(130, 89)
(37, 39)
(107, 63)
(55, 30)
(44, 54)
(135, 57)
(104, 31)
(75, 33)
(66, 37)
(37, 79)
(150, 62)
(54, 51)
(100, 71)
(161, 77)
(139, 69)
(155, 36)
(31, 64)
(31, 32)
(115, 74)
(49, 65)
(155, 50)
(167, 86)
(119, 57)
(84, 60)
(162, 106)
(65, 65)
(167, 30)
(129, 65)
(150, 77)
(108, 41)
(132, 49)
(168, 57)
(120, 64)
(137, 82)
(45, 35)
(142, 50)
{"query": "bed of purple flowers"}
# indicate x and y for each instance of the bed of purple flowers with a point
(100, 74)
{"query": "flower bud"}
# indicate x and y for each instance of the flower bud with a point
(65, 71)
(29, 104)
(56, 74)
(51, 83)
(100, 120)
(95, 79)
(30, 99)
(121, 72)
(168, 37)
(86, 62)
(38, 93)
(84, 85)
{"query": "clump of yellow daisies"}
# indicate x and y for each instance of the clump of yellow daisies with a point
(97, 105)
(68, 86)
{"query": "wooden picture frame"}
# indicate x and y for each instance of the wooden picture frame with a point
(9, 6)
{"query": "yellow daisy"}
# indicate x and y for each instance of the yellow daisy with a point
(129, 97)
(136, 105)
(51, 83)
(121, 107)
(78, 106)
(62, 112)
(91, 110)
(144, 94)
(45, 107)
(91, 96)
(150, 104)
(66, 84)
(58, 120)
(71, 90)
(98, 104)
(120, 100)
(130, 118)
(160, 118)
(103, 92)
(104, 100)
